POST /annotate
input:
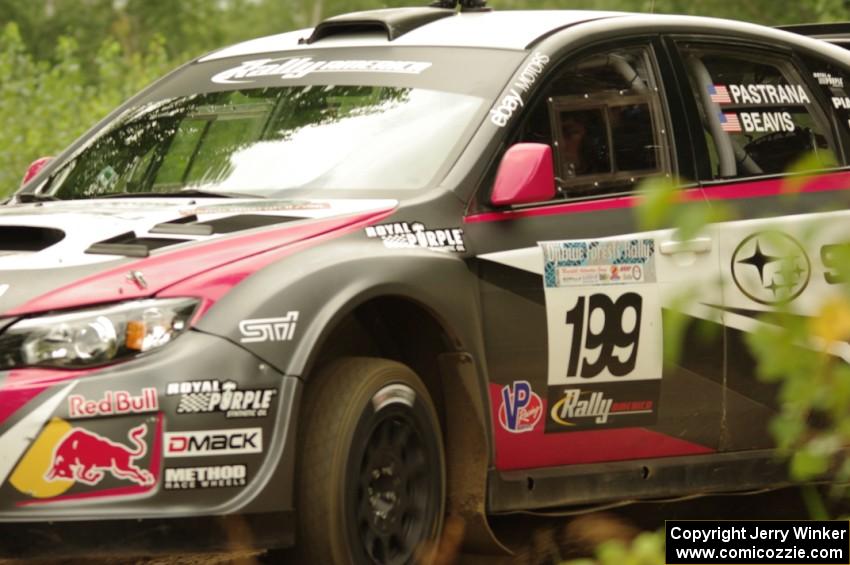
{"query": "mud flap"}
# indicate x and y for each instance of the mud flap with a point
(467, 456)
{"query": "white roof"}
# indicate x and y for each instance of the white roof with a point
(506, 29)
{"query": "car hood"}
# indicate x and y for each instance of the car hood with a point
(60, 254)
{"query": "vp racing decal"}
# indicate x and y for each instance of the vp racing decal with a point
(520, 409)
(604, 327)
(299, 67)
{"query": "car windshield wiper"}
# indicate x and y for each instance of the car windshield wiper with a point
(28, 197)
(178, 194)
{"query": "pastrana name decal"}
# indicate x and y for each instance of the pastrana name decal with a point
(407, 235)
(758, 94)
(217, 476)
(202, 397)
(299, 67)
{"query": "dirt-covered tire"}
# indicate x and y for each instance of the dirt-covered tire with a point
(370, 480)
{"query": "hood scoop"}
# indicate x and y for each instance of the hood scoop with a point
(16, 239)
(131, 245)
(191, 226)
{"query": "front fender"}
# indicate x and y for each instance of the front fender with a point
(283, 312)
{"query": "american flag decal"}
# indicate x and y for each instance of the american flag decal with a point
(719, 94)
(730, 122)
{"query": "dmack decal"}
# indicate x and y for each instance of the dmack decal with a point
(85, 456)
(199, 397)
(214, 442)
(299, 67)
(520, 409)
(113, 403)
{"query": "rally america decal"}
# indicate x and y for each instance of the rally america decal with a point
(208, 396)
(299, 67)
(604, 327)
(403, 235)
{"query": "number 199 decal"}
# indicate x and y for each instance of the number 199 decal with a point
(604, 324)
(616, 317)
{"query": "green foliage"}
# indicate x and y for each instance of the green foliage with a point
(43, 106)
(646, 549)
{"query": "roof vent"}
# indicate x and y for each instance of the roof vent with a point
(394, 22)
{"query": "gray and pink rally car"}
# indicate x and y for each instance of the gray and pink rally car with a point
(324, 288)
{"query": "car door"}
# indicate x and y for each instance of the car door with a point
(767, 121)
(575, 298)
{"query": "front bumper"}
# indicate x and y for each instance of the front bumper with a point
(133, 538)
(201, 428)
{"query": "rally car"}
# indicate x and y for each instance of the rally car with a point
(323, 288)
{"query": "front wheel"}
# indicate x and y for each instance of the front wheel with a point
(371, 471)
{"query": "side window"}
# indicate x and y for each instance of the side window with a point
(602, 116)
(834, 83)
(757, 113)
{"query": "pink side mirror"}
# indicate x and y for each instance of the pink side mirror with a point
(34, 168)
(526, 174)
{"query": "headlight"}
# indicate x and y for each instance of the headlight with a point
(94, 336)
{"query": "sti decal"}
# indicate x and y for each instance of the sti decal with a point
(770, 267)
(214, 442)
(403, 235)
(269, 329)
(113, 403)
(520, 409)
(218, 476)
(203, 397)
(604, 326)
(502, 113)
(299, 67)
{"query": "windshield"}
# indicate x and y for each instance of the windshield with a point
(271, 141)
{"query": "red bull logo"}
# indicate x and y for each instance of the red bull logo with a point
(86, 457)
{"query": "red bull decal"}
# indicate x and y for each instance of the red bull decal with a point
(66, 462)
(85, 457)
(115, 403)
(520, 409)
